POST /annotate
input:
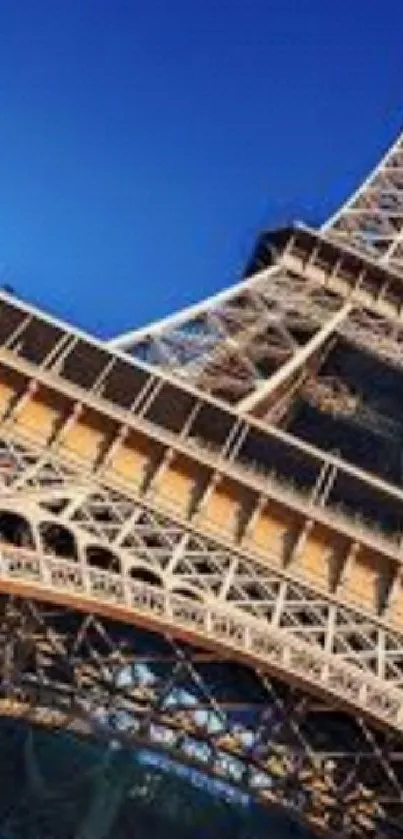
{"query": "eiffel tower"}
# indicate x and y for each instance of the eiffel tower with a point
(202, 529)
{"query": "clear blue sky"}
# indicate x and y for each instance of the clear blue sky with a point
(143, 143)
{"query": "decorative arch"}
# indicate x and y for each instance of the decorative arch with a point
(145, 575)
(188, 591)
(99, 557)
(203, 721)
(16, 530)
(58, 539)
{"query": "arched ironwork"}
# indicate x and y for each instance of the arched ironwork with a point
(254, 731)
(15, 529)
(58, 540)
(99, 557)
(241, 548)
(145, 575)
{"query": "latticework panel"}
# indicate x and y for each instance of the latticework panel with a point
(254, 345)
(89, 541)
(92, 548)
(372, 219)
(103, 678)
(126, 495)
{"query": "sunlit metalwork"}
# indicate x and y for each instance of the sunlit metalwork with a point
(202, 525)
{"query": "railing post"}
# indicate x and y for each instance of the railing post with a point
(86, 578)
(126, 590)
(44, 569)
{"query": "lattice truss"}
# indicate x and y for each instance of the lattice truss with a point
(67, 535)
(325, 739)
(257, 344)
(372, 219)
(96, 676)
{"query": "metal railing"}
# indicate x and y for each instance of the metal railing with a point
(216, 624)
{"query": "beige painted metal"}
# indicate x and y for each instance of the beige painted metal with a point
(266, 574)
(37, 575)
(296, 363)
(161, 500)
(372, 218)
(243, 348)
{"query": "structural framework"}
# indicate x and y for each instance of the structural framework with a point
(202, 523)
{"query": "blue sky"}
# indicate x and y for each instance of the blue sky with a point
(144, 143)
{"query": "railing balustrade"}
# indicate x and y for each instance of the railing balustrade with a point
(216, 624)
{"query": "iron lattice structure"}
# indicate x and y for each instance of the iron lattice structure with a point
(372, 219)
(202, 526)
